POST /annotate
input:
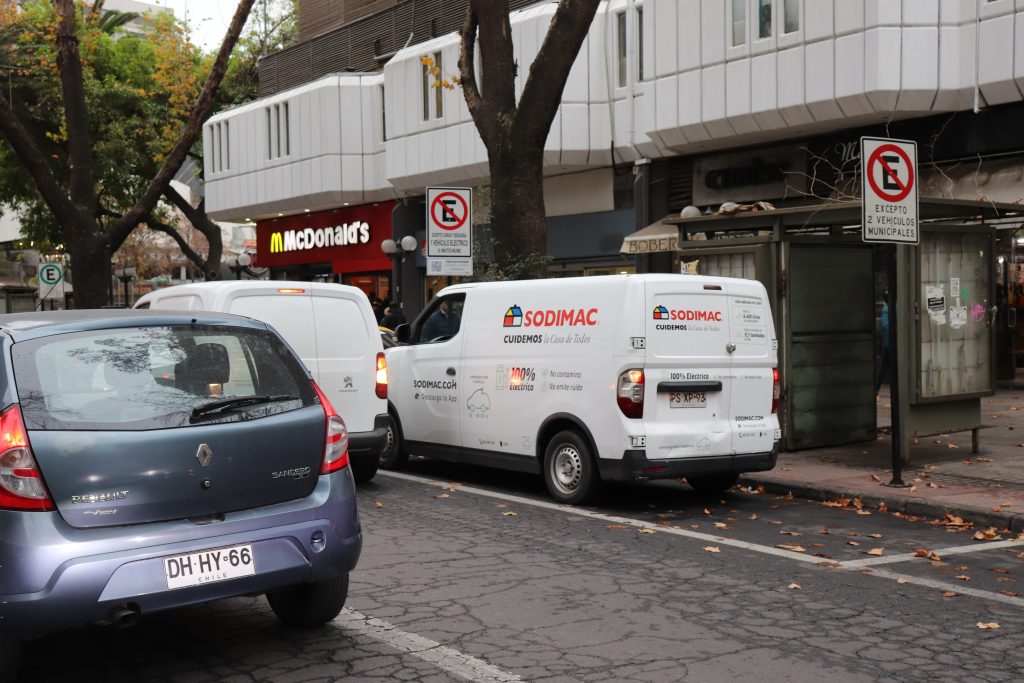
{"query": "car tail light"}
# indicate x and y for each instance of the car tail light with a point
(630, 393)
(382, 376)
(776, 390)
(335, 438)
(21, 483)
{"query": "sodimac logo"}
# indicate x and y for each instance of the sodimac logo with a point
(515, 316)
(703, 315)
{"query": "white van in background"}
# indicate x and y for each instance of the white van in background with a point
(587, 380)
(332, 329)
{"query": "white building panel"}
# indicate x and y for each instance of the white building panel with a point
(792, 98)
(818, 20)
(712, 31)
(737, 97)
(820, 91)
(1018, 52)
(882, 67)
(764, 91)
(688, 27)
(690, 108)
(883, 12)
(995, 65)
(660, 19)
(919, 75)
(849, 16)
(920, 12)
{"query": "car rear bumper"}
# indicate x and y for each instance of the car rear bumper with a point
(371, 443)
(77, 576)
(634, 465)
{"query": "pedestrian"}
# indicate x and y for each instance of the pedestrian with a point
(392, 316)
(883, 364)
(378, 308)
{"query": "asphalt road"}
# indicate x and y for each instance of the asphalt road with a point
(470, 574)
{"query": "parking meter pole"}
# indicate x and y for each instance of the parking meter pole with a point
(894, 370)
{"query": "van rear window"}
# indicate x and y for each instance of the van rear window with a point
(153, 377)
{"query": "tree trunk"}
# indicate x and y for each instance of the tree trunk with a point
(90, 264)
(517, 212)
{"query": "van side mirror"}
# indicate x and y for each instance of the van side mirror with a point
(402, 333)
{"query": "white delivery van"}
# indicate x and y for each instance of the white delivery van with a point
(587, 380)
(332, 329)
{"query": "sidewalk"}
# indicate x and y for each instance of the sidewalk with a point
(987, 488)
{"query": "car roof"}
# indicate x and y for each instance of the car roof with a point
(22, 326)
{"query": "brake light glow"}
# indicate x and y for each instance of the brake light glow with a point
(381, 378)
(21, 483)
(335, 438)
(776, 390)
(630, 393)
(290, 290)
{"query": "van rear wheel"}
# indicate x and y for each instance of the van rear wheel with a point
(393, 456)
(569, 469)
(713, 484)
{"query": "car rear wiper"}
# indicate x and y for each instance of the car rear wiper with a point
(223, 404)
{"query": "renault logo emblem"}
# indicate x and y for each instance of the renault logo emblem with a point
(204, 455)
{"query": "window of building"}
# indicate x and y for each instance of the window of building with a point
(640, 43)
(620, 39)
(739, 22)
(438, 90)
(383, 116)
(220, 154)
(426, 91)
(215, 148)
(764, 18)
(278, 136)
(435, 28)
(790, 16)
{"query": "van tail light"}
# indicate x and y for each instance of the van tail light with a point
(335, 438)
(21, 483)
(382, 376)
(630, 393)
(776, 390)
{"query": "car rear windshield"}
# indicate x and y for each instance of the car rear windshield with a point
(156, 377)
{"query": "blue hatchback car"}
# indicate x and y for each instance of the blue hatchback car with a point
(150, 460)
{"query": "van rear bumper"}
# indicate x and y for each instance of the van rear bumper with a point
(634, 465)
(370, 443)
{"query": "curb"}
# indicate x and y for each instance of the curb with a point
(906, 505)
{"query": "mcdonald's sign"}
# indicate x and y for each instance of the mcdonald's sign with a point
(276, 243)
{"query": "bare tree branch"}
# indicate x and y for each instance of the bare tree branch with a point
(191, 254)
(565, 36)
(482, 114)
(72, 83)
(35, 163)
(193, 127)
(209, 229)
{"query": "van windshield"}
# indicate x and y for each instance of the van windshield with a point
(155, 377)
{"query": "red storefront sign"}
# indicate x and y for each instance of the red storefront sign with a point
(349, 238)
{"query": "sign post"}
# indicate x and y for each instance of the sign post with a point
(449, 231)
(890, 216)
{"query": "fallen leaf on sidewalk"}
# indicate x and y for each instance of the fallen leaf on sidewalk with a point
(790, 546)
(707, 511)
(377, 504)
(963, 577)
(1012, 594)
(875, 477)
(863, 512)
(500, 505)
(852, 543)
(875, 551)
(788, 496)
(615, 526)
(645, 531)
(824, 531)
(997, 509)
(1000, 570)
(882, 507)
(510, 514)
(949, 594)
(753, 516)
(830, 565)
(913, 488)
(721, 525)
(794, 586)
(983, 459)
(990, 534)
(952, 445)
(968, 461)
(901, 581)
(442, 495)
(924, 552)
(790, 533)
(712, 549)
(990, 625)
(874, 535)
(776, 522)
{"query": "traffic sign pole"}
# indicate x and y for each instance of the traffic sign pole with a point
(894, 372)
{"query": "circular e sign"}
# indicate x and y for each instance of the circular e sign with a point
(51, 273)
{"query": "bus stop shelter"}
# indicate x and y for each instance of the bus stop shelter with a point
(826, 293)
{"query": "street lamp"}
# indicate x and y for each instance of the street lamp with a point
(242, 262)
(398, 251)
(126, 275)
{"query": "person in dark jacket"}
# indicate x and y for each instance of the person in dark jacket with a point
(392, 316)
(442, 324)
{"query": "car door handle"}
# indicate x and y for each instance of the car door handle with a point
(451, 371)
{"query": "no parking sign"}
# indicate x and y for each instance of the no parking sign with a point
(449, 231)
(889, 182)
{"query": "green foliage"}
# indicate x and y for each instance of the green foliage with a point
(272, 26)
(487, 269)
(138, 89)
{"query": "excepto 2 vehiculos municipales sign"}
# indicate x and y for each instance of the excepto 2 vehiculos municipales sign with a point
(889, 186)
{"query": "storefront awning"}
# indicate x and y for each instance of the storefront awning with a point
(654, 238)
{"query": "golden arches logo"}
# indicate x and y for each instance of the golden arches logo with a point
(276, 243)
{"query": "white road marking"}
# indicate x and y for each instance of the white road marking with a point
(442, 656)
(849, 565)
(941, 552)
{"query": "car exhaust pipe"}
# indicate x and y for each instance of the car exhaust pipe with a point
(123, 617)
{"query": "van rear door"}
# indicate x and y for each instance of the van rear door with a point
(753, 334)
(688, 372)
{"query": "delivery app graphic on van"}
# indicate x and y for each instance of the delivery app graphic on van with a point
(615, 378)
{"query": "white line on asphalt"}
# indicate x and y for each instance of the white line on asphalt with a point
(850, 565)
(941, 552)
(444, 657)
